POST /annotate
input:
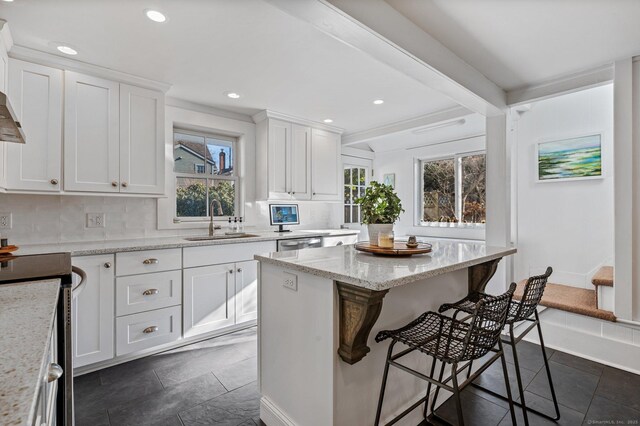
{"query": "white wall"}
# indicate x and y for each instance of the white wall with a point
(55, 218)
(568, 225)
(402, 163)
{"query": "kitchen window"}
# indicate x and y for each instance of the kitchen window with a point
(453, 190)
(355, 183)
(206, 176)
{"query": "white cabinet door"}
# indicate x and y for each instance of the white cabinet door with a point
(141, 140)
(208, 298)
(246, 298)
(35, 92)
(300, 162)
(326, 167)
(91, 134)
(279, 141)
(93, 311)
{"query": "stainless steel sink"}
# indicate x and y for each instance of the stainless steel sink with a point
(221, 237)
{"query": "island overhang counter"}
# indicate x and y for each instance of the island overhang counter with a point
(319, 311)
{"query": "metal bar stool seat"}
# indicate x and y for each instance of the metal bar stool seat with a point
(520, 311)
(450, 341)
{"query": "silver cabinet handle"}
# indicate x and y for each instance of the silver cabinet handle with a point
(124, 184)
(54, 372)
(107, 265)
(114, 184)
(54, 181)
(151, 329)
(150, 291)
(151, 261)
(239, 269)
(340, 243)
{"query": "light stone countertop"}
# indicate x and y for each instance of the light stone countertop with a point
(86, 248)
(27, 312)
(347, 265)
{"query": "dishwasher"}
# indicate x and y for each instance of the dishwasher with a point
(299, 243)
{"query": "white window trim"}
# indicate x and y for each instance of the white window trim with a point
(200, 121)
(419, 164)
(349, 163)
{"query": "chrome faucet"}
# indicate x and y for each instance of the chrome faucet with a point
(213, 227)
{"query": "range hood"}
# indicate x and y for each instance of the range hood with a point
(10, 128)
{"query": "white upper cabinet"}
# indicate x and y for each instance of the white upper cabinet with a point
(114, 137)
(141, 140)
(35, 92)
(287, 154)
(325, 166)
(91, 134)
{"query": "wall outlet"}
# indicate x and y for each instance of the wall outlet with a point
(5, 220)
(290, 281)
(95, 220)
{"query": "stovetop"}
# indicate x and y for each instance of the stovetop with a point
(36, 267)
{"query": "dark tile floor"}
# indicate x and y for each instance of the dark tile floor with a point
(214, 383)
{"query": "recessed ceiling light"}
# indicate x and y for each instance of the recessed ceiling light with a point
(378, 102)
(8, 1)
(155, 16)
(328, 120)
(67, 50)
(232, 95)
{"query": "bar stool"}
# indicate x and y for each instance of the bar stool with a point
(519, 311)
(450, 341)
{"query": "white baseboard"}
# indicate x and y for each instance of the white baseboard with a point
(271, 415)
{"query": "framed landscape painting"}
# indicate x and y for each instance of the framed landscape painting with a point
(570, 159)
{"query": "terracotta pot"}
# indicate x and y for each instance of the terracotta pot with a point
(375, 228)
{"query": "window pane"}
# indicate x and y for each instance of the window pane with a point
(474, 188)
(347, 194)
(220, 157)
(439, 201)
(354, 194)
(222, 195)
(347, 214)
(347, 176)
(363, 177)
(188, 153)
(191, 197)
(362, 191)
(355, 214)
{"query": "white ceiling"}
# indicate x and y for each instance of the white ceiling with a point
(205, 48)
(516, 43)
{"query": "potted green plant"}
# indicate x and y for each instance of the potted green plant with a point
(380, 207)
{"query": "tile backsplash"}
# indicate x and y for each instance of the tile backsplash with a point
(39, 219)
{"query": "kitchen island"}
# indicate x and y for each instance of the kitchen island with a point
(320, 310)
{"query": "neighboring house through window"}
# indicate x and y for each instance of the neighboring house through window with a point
(205, 172)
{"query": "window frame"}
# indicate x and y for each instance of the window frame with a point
(207, 177)
(457, 157)
(367, 179)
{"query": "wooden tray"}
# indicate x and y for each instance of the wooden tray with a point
(8, 249)
(399, 249)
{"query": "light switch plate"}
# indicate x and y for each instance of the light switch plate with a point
(290, 281)
(95, 220)
(5, 221)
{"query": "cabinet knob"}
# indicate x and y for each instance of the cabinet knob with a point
(239, 269)
(54, 372)
(151, 329)
(314, 193)
(114, 184)
(54, 181)
(293, 193)
(231, 271)
(151, 261)
(150, 292)
(124, 184)
(107, 265)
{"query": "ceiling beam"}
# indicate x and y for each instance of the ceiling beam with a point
(377, 29)
(400, 126)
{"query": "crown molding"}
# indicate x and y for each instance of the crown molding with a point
(44, 58)
(264, 114)
(562, 85)
(206, 109)
(400, 126)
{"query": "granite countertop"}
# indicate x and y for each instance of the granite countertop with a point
(86, 248)
(26, 322)
(346, 264)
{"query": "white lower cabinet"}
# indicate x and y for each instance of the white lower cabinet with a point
(93, 311)
(208, 302)
(146, 292)
(147, 329)
(246, 295)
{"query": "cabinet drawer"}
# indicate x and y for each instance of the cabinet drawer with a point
(139, 293)
(225, 253)
(142, 262)
(148, 329)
